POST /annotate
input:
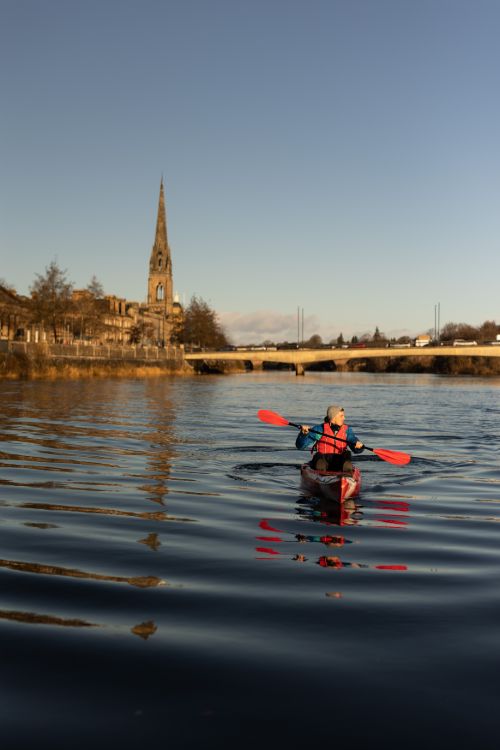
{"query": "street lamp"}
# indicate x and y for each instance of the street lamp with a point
(300, 341)
(437, 315)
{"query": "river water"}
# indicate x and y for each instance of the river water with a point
(163, 580)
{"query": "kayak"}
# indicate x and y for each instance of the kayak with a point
(330, 485)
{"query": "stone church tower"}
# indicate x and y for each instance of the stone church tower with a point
(160, 294)
(163, 314)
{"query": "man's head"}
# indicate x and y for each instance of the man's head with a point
(335, 414)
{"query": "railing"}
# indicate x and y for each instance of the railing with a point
(96, 351)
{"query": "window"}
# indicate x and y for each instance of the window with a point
(159, 292)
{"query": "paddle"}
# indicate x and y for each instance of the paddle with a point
(392, 457)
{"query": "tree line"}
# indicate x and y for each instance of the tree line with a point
(483, 333)
(55, 305)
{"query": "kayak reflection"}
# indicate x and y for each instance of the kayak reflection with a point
(325, 561)
(328, 514)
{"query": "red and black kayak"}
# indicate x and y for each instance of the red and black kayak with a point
(335, 486)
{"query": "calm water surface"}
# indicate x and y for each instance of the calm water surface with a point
(162, 579)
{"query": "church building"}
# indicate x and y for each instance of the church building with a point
(110, 319)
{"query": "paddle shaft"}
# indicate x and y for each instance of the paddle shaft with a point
(327, 437)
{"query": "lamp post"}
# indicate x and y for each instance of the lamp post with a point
(300, 340)
(437, 316)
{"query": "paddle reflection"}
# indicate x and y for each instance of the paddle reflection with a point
(328, 514)
(395, 513)
(332, 561)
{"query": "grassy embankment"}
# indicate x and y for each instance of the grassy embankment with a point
(19, 366)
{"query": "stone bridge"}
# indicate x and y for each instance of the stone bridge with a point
(300, 358)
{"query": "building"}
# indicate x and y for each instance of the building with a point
(423, 340)
(14, 314)
(97, 319)
(156, 322)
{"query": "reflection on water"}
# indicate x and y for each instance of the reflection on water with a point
(34, 619)
(152, 541)
(147, 515)
(328, 514)
(165, 580)
(145, 630)
(54, 570)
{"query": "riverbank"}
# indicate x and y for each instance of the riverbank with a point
(36, 365)
(476, 366)
(22, 366)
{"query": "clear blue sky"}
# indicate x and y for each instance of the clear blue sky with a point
(337, 156)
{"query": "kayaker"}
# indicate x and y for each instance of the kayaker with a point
(330, 454)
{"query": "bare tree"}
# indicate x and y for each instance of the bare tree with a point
(452, 331)
(488, 330)
(51, 300)
(5, 285)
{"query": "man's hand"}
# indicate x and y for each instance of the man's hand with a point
(304, 428)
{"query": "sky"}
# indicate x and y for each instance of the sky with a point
(331, 161)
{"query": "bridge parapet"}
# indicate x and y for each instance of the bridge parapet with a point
(300, 357)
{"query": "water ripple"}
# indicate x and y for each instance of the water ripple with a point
(165, 581)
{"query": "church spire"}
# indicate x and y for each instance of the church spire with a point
(160, 296)
(161, 242)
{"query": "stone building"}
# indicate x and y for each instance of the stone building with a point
(110, 319)
(14, 314)
(162, 314)
(157, 321)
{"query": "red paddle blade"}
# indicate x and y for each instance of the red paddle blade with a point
(272, 418)
(393, 457)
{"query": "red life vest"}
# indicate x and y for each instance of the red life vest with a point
(327, 446)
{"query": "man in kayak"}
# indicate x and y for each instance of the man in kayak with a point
(330, 442)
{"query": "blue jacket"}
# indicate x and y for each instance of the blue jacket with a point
(306, 442)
